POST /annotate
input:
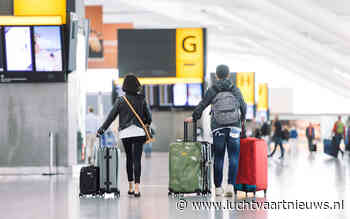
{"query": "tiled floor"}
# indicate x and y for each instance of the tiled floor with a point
(299, 177)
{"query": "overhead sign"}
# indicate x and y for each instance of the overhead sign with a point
(263, 104)
(30, 20)
(162, 56)
(189, 53)
(246, 83)
(40, 8)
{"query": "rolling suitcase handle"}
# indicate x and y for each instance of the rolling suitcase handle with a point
(107, 157)
(194, 131)
(97, 147)
(244, 130)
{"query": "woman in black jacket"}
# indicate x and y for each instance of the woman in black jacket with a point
(130, 130)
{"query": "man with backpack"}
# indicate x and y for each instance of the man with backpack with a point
(227, 114)
(339, 131)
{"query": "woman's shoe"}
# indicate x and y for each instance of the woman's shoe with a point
(137, 195)
(131, 193)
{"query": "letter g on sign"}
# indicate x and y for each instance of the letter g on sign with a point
(189, 47)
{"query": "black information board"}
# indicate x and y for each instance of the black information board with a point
(150, 52)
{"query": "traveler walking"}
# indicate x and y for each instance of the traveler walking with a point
(347, 144)
(293, 140)
(310, 135)
(227, 114)
(91, 125)
(277, 137)
(339, 131)
(131, 131)
(266, 132)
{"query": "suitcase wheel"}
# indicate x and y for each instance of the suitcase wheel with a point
(178, 195)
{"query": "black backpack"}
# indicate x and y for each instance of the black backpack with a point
(266, 129)
(285, 135)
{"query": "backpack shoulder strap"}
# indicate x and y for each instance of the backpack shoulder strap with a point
(216, 89)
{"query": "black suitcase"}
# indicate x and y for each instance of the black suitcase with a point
(313, 147)
(347, 143)
(89, 181)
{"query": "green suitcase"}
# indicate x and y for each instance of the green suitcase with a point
(189, 166)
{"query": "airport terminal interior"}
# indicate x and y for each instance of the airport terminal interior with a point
(266, 80)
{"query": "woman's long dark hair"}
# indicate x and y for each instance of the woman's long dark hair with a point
(131, 84)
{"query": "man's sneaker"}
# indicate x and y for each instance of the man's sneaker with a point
(219, 191)
(229, 190)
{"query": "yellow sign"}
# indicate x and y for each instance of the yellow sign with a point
(189, 53)
(40, 8)
(30, 20)
(165, 80)
(263, 98)
(246, 83)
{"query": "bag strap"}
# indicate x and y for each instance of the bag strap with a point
(149, 138)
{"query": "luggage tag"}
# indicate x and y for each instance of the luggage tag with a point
(218, 133)
(235, 133)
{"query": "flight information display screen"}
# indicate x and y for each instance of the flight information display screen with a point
(180, 94)
(147, 53)
(194, 94)
(48, 48)
(18, 49)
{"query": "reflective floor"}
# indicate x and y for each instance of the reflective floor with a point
(300, 177)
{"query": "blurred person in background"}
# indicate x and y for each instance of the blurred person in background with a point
(286, 134)
(347, 145)
(293, 138)
(277, 137)
(266, 132)
(310, 135)
(339, 131)
(253, 129)
(92, 123)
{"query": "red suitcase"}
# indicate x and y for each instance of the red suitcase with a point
(252, 168)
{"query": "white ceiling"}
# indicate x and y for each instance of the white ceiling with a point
(309, 37)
